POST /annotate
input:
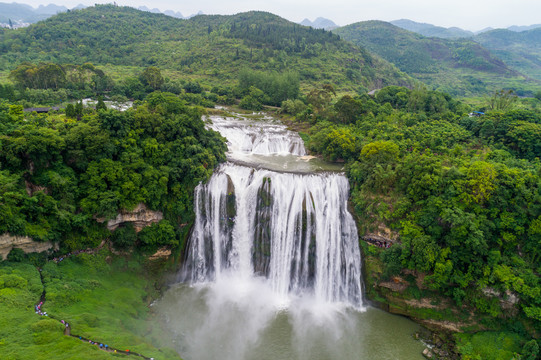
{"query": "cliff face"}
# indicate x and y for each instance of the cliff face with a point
(8, 242)
(141, 216)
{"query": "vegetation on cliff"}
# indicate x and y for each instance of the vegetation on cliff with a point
(457, 195)
(59, 175)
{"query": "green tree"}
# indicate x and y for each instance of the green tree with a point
(79, 109)
(70, 111)
(502, 100)
(254, 100)
(100, 105)
(152, 76)
(124, 237)
(347, 109)
(379, 152)
(156, 235)
(530, 351)
(16, 255)
(320, 98)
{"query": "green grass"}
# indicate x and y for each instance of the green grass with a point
(103, 297)
(489, 345)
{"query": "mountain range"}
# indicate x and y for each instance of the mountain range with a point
(518, 46)
(210, 48)
(25, 14)
(365, 55)
(430, 30)
(463, 66)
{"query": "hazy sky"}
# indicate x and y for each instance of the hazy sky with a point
(467, 14)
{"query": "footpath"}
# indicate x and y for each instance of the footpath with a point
(67, 328)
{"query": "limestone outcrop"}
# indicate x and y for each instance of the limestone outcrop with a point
(140, 217)
(8, 242)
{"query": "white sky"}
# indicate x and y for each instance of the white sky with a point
(466, 14)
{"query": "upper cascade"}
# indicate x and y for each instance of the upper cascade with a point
(255, 137)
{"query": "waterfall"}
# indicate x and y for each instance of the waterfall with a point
(272, 267)
(258, 137)
(291, 230)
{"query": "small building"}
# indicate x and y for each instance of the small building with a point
(42, 110)
(476, 114)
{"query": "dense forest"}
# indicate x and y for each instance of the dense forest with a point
(214, 48)
(60, 174)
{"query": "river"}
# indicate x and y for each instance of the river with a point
(273, 267)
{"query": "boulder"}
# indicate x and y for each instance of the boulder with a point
(427, 353)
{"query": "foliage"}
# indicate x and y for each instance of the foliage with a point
(254, 100)
(152, 77)
(293, 107)
(487, 345)
(462, 192)
(276, 87)
(158, 235)
(517, 49)
(501, 100)
(57, 175)
(124, 237)
(54, 76)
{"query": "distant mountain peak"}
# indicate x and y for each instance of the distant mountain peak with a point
(175, 14)
(51, 9)
(320, 23)
(144, 8)
(193, 15)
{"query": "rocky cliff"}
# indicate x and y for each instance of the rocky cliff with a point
(8, 242)
(140, 217)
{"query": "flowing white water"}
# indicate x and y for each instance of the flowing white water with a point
(273, 266)
(294, 230)
(258, 137)
(265, 143)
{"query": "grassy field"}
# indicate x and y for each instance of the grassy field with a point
(104, 298)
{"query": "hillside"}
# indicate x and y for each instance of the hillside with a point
(460, 66)
(432, 30)
(213, 48)
(520, 50)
